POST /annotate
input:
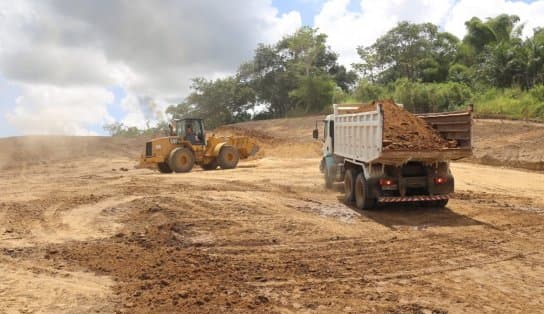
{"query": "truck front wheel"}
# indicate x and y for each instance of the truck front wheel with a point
(363, 200)
(349, 186)
(329, 179)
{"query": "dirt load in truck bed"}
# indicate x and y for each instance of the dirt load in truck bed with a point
(404, 131)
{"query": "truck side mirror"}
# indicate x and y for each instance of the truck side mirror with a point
(315, 134)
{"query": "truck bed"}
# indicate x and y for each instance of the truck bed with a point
(359, 136)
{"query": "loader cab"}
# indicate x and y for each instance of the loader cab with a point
(191, 130)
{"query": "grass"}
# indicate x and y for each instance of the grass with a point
(511, 103)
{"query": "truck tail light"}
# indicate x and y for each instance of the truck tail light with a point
(387, 182)
(440, 180)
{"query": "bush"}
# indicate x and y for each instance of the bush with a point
(366, 92)
(460, 73)
(538, 92)
(431, 97)
(511, 103)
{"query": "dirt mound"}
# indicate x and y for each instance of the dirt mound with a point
(509, 143)
(28, 150)
(277, 138)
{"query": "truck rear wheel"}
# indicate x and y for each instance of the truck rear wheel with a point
(181, 160)
(349, 186)
(363, 200)
(228, 157)
(164, 168)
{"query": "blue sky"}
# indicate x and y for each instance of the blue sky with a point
(307, 8)
(71, 79)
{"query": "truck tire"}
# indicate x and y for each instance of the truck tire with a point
(228, 157)
(349, 186)
(181, 160)
(210, 166)
(441, 203)
(164, 168)
(363, 200)
(329, 180)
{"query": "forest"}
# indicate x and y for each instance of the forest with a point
(493, 67)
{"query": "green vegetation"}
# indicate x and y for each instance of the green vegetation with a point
(427, 70)
(511, 103)
(119, 129)
(493, 67)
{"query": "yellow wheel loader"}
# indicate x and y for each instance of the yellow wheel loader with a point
(187, 145)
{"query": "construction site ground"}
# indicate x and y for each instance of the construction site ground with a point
(82, 230)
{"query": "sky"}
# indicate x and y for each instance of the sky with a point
(69, 67)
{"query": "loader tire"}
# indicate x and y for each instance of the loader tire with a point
(228, 157)
(164, 168)
(349, 186)
(210, 166)
(363, 199)
(181, 160)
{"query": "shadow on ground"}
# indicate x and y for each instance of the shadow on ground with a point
(415, 215)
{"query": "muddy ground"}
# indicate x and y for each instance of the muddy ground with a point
(93, 234)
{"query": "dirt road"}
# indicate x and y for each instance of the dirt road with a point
(76, 236)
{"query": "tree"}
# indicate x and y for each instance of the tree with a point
(418, 52)
(535, 58)
(219, 102)
(313, 93)
(297, 74)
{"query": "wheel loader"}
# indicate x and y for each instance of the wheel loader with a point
(187, 145)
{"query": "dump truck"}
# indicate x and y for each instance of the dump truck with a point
(393, 157)
(187, 145)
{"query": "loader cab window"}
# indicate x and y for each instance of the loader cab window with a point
(191, 130)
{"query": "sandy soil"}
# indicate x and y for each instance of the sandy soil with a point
(77, 234)
(511, 143)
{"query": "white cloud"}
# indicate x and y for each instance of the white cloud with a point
(44, 109)
(349, 29)
(150, 48)
(532, 14)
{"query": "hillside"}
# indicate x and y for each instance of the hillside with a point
(496, 142)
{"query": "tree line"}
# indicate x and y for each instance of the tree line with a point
(299, 74)
(418, 65)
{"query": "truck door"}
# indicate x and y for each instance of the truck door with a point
(328, 134)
